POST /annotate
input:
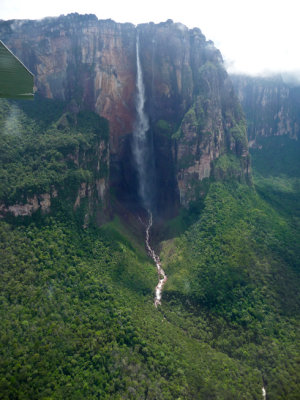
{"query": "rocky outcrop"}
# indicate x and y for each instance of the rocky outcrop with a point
(213, 126)
(53, 160)
(92, 195)
(193, 110)
(194, 115)
(80, 59)
(32, 204)
(271, 106)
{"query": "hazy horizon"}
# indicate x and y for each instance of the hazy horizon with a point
(255, 38)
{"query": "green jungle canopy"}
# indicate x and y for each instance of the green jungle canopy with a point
(16, 81)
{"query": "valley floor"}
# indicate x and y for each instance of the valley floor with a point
(78, 317)
(77, 305)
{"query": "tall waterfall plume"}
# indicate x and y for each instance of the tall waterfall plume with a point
(142, 142)
(144, 158)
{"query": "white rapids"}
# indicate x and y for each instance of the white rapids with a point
(264, 393)
(161, 273)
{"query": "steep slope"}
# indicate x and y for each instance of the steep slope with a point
(78, 320)
(53, 157)
(77, 312)
(238, 268)
(194, 115)
(76, 58)
(271, 106)
(77, 304)
(272, 109)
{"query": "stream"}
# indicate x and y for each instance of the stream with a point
(162, 277)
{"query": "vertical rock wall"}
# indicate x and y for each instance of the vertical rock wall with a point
(271, 106)
(194, 115)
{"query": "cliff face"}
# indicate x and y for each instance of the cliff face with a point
(270, 105)
(52, 159)
(212, 127)
(80, 59)
(194, 115)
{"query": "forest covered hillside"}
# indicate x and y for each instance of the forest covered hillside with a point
(77, 304)
(77, 285)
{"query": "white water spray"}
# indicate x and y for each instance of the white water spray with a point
(264, 393)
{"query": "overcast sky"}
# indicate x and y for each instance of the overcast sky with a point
(254, 36)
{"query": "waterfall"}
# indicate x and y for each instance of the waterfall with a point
(144, 159)
(142, 149)
(162, 277)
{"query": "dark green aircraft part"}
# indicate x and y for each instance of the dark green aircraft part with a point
(16, 81)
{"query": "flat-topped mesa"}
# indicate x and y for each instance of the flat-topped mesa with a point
(271, 106)
(194, 116)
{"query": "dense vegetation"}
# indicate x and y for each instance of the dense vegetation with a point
(77, 313)
(45, 146)
(237, 267)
